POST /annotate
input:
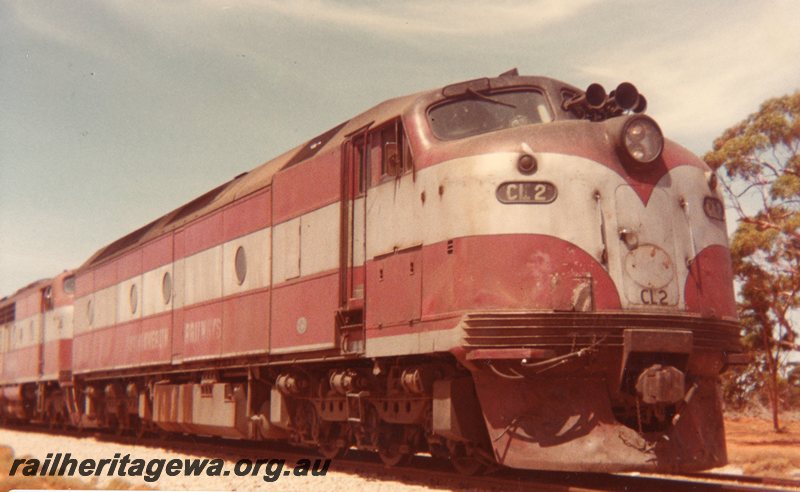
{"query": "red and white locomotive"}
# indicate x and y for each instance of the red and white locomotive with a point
(507, 270)
(36, 349)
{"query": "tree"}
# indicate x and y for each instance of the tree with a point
(762, 181)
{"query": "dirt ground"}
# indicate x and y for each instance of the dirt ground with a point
(754, 448)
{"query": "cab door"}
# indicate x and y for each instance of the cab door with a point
(394, 236)
(355, 171)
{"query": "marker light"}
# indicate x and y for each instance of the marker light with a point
(526, 164)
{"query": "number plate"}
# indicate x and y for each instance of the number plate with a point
(526, 192)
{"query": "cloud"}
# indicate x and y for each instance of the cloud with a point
(461, 18)
(62, 31)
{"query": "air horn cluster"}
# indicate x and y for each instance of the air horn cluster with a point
(596, 105)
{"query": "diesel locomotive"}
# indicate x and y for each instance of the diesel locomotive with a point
(504, 271)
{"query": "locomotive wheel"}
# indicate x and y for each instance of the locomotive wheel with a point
(330, 450)
(366, 432)
(333, 440)
(391, 447)
(463, 460)
(392, 455)
(467, 465)
(306, 426)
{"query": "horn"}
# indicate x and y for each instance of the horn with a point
(641, 105)
(626, 96)
(595, 96)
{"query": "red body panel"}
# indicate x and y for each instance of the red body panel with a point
(130, 265)
(154, 345)
(127, 339)
(157, 253)
(249, 215)
(84, 283)
(314, 300)
(106, 275)
(394, 286)
(303, 188)
(483, 272)
(82, 352)
(29, 304)
(98, 350)
(202, 331)
(708, 289)
(22, 364)
(203, 234)
(245, 323)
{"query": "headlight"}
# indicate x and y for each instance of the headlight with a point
(642, 139)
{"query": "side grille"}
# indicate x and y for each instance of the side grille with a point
(577, 330)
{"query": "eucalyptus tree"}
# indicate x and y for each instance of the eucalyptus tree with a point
(759, 168)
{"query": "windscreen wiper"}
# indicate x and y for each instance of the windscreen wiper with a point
(484, 97)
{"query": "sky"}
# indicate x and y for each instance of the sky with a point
(113, 113)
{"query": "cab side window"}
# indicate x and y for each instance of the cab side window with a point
(47, 299)
(390, 153)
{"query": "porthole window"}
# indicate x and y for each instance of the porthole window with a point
(69, 284)
(241, 265)
(166, 287)
(134, 298)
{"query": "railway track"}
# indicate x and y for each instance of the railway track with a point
(427, 471)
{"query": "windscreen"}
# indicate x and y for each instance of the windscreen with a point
(478, 113)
